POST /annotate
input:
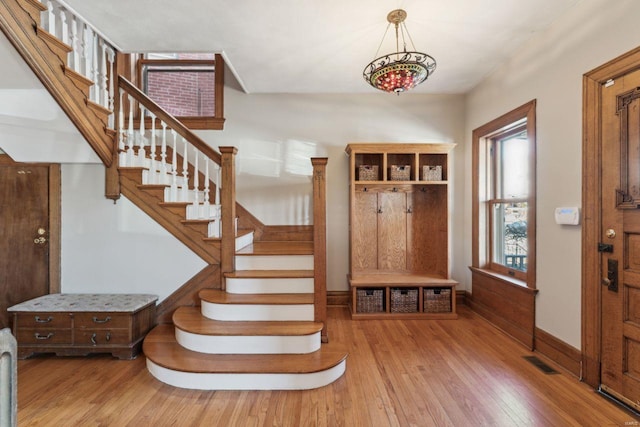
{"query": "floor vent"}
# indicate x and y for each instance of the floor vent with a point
(535, 361)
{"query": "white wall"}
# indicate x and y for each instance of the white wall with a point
(550, 69)
(116, 248)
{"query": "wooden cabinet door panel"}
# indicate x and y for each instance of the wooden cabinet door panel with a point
(364, 232)
(392, 231)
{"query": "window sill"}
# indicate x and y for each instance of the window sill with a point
(507, 280)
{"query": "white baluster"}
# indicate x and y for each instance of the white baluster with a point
(95, 76)
(121, 134)
(142, 152)
(63, 34)
(76, 45)
(206, 205)
(185, 172)
(51, 18)
(163, 155)
(111, 58)
(196, 185)
(174, 169)
(217, 210)
(87, 50)
(103, 91)
(218, 178)
(131, 155)
(152, 166)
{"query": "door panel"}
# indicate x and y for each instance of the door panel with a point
(365, 225)
(428, 223)
(24, 223)
(620, 227)
(392, 231)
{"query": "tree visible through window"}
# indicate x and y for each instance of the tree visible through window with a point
(504, 195)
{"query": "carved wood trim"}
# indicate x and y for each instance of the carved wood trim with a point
(624, 198)
(320, 242)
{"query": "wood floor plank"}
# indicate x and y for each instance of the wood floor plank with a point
(399, 373)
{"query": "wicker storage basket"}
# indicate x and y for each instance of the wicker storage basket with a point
(400, 173)
(431, 173)
(368, 173)
(437, 300)
(369, 300)
(404, 300)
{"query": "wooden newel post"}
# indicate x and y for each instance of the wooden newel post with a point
(320, 242)
(228, 217)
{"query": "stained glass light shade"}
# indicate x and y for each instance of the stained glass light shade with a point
(401, 70)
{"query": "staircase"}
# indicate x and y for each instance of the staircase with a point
(255, 316)
(259, 334)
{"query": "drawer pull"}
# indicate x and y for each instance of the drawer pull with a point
(93, 339)
(43, 337)
(108, 336)
(105, 320)
(41, 320)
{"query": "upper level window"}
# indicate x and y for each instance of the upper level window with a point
(189, 86)
(504, 195)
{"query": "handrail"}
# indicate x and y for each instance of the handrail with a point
(168, 118)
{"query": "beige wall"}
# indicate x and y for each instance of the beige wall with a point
(550, 68)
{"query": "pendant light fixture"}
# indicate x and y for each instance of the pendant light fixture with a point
(402, 70)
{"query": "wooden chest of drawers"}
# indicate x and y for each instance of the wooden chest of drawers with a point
(80, 324)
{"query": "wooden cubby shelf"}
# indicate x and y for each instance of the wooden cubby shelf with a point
(389, 282)
(398, 231)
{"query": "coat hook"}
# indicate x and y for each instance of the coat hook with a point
(395, 190)
(365, 189)
(423, 189)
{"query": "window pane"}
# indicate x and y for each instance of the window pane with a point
(182, 91)
(509, 225)
(513, 167)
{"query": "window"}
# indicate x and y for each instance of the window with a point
(504, 195)
(189, 86)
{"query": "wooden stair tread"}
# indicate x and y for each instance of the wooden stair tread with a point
(269, 274)
(221, 297)
(400, 279)
(189, 319)
(278, 248)
(161, 348)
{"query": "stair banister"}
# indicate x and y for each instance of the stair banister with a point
(167, 118)
(320, 242)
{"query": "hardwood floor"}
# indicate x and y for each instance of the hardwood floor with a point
(399, 373)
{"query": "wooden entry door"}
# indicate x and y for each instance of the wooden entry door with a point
(620, 238)
(25, 231)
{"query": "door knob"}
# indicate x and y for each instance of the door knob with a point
(40, 240)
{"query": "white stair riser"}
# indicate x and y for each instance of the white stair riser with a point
(274, 344)
(212, 381)
(244, 241)
(274, 262)
(280, 285)
(257, 312)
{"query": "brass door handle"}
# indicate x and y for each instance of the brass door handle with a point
(40, 240)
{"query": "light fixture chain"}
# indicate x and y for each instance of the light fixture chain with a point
(413, 47)
(381, 41)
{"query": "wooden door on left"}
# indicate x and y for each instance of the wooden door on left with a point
(26, 231)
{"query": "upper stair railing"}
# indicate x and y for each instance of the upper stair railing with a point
(92, 55)
(170, 154)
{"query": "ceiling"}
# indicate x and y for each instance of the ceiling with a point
(312, 46)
